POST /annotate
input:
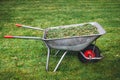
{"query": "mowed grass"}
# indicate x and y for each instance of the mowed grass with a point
(26, 59)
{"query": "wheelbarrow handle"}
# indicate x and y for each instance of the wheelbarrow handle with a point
(18, 25)
(8, 36)
(23, 37)
(35, 28)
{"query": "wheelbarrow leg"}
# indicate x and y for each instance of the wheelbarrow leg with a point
(56, 53)
(48, 58)
(60, 61)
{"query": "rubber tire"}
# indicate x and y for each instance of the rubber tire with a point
(90, 47)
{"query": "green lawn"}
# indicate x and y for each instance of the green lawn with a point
(26, 59)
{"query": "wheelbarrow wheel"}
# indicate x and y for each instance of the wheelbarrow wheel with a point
(90, 52)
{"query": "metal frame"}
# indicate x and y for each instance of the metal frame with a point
(57, 52)
(48, 59)
(60, 61)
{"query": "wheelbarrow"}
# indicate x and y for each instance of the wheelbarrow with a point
(87, 52)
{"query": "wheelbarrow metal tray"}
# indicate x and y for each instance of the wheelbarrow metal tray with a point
(75, 43)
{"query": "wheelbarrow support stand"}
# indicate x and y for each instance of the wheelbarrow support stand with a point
(48, 59)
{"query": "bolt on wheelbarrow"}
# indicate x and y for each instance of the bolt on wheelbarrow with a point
(88, 52)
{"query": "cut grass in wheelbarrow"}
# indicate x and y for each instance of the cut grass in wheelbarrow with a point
(86, 29)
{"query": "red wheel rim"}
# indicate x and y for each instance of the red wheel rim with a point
(89, 53)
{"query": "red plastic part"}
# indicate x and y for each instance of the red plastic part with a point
(8, 36)
(18, 25)
(88, 53)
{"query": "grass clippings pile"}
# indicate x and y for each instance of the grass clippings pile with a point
(86, 29)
